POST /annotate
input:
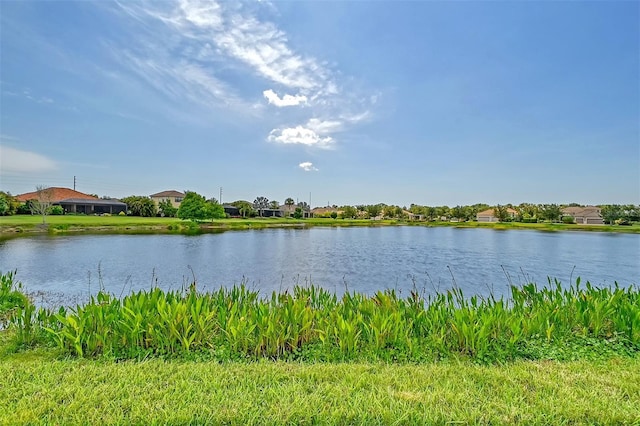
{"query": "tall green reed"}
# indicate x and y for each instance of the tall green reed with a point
(311, 323)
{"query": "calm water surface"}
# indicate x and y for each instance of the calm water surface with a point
(363, 259)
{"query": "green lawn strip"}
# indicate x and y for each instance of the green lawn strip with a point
(36, 388)
(56, 224)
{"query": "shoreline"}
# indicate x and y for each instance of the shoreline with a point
(75, 225)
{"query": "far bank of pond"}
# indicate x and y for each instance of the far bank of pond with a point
(26, 225)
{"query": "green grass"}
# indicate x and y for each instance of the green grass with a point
(38, 388)
(309, 357)
(25, 224)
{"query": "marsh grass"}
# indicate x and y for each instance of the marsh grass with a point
(12, 297)
(312, 324)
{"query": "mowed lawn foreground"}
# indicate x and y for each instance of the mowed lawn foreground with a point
(38, 388)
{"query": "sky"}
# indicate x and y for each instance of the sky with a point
(333, 102)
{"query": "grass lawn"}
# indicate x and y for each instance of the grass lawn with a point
(36, 387)
(28, 224)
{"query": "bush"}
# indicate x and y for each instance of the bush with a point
(11, 296)
(122, 213)
(568, 219)
(55, 210)
(23, 209)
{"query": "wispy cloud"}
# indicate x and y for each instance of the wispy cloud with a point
(16, 161)
(203, 51)
(287, 100)
(325, 126)
(180, 80)
(27, 94)
(307, 167)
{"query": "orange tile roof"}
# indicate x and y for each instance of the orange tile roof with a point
(57, 194)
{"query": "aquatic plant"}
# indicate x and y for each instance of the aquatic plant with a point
(312, 324)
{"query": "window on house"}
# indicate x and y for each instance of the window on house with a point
(178, 199)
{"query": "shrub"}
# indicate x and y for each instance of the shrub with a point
(11, 296)
(568, 219)
(55, 210)
(23, 209)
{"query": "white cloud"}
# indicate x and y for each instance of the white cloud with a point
(286, 100)
(204, 14)
(307, 167)
(192, 48)
(235, 33)
(17, 161)
(315, 133)
(300, 135)
(181, 79)
(324, 126)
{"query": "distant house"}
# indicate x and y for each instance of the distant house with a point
(289, 211)
(489, 215)
(73, 201)
(589, 215)
(412, 216)
(270, 212)
(231, 211)
(324, 211)
(175, 197)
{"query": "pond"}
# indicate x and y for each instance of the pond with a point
(66, 269)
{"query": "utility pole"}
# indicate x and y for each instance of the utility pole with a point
(74, 183)
(220, 195)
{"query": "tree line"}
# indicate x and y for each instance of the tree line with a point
(193, 207)
(197, 207)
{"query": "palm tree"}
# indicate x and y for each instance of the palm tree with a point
(289, 203)
(260, 204)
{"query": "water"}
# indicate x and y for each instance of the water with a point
(66, 269)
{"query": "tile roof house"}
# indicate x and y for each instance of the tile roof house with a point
(289, 211)
(588, 215)
(324, 211)
(56, 194)
(489, 215)
(77, 202)
(175, 197)
(412, 216)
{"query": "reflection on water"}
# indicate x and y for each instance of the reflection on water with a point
(479, 261)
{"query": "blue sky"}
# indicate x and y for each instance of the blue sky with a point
(352, 102)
